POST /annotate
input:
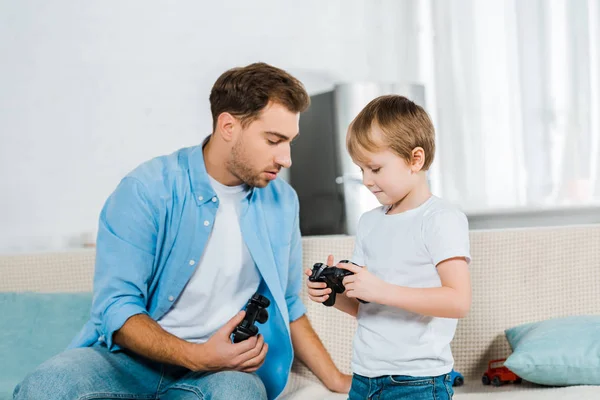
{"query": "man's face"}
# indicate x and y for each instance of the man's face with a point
(263, 147)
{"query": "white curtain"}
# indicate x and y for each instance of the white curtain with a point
(515, 88)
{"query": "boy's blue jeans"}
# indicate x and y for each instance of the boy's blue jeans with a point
(95, 373)
(401, 387)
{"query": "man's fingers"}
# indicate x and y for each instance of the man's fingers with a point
(257, 360)
(253, 352)
(247, 349)
(253, 369)
(244, 346)
(230, 325)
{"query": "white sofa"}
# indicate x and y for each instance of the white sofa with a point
(518, 276)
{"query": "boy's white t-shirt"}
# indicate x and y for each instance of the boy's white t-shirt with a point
(404, 249)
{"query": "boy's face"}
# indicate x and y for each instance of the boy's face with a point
(388, 176)
(263, 147)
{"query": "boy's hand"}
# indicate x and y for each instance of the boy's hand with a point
(363, 284)
(318, 291)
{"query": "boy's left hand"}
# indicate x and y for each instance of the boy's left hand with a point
(363, 284)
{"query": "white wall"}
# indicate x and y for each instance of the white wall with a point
(88, 90)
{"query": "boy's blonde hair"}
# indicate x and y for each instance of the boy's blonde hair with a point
(405, 126)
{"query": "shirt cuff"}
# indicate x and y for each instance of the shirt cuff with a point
(115, 318)
(296, 308)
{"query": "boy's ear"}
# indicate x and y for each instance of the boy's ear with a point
(418, 159)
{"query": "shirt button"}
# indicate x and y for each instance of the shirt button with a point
(192, 262)
(101, 339)
(200, 198)
(214, 199)
(171, 298)
(206, 223)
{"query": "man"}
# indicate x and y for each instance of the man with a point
(183, 242)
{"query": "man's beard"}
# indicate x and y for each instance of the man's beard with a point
(239, 166)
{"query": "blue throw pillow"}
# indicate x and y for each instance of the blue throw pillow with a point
(33, 328)
(557, 352)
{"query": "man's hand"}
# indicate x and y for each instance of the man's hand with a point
(219, 354)
(363, 284)
(341, 384)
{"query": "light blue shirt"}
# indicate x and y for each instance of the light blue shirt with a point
(152, 232)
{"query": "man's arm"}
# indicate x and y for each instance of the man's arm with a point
(310, 351)
(142, 335)
(126, 245)
(307, 346)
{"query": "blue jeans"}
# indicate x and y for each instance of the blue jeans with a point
(396, 387)
(95, 373)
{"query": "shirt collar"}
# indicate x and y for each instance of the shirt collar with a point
(201, 187)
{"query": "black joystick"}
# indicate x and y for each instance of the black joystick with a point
(255, 311)
(333, 277)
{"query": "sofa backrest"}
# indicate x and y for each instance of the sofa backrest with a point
(518, 276)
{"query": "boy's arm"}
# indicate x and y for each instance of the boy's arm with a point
(346, 304)
(451, 300)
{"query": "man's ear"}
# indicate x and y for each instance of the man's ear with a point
(417, 159)
(227, 126)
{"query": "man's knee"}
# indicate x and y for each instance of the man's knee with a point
(238, 385)
(48, 381)
(224, 385)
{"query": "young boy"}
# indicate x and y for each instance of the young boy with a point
(413, 253)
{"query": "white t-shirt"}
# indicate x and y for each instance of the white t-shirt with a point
(224, 280)
(404, 249)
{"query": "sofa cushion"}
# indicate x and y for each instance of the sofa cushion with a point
(557, 352)
(35, 327)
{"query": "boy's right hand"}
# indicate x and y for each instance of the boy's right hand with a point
(318, 291)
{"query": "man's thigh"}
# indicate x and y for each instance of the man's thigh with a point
(92, 373)
(226, 385)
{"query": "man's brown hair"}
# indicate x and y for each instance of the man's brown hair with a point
(405, 126)
(245, 91)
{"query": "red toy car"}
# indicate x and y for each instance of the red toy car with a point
(497, 374)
